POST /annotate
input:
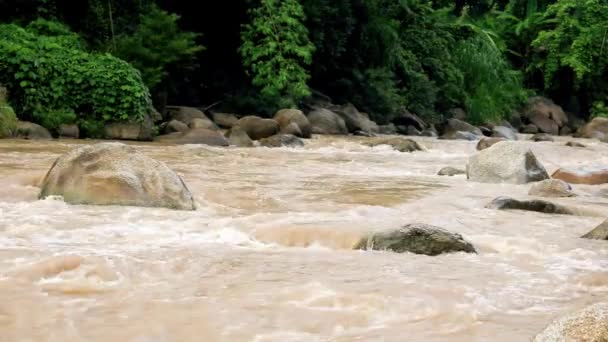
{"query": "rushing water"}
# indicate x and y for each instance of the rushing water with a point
(267, 256)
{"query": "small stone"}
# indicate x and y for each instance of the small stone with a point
(507, 203)
(450, 171)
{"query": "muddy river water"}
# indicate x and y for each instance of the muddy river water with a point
(268, 255)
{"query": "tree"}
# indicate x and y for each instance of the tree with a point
(276, 50)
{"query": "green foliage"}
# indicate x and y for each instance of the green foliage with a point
(157, 45)
(55, 82)
(8, 120)
(493, 90)
(599, 109)
(276, 50)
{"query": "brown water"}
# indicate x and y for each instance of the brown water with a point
(266, 257)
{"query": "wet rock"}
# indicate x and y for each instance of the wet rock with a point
(545, 115)
(504, 132)
(195, 136)
(355, 120)
(238, 137)
(364, 134)
(450, 171)
(406, 119)
(397, 143)
(487, 132)
(174, 126)
(574, 144)
(413, 131)
(324, 121)
(30, 130)
(292, 129)
(258, 128)
(590, 176)
(429, 132)
(185, 114)
(453, 126)
(505, 162)
(487, 142)
(205, 123)
(566, 130)
(115, 174)
(595, 129)
(529, 129)
(515, 121)
(507, 203)
(587, 325)
(417, 239)
(69, 131)
(287, 117)
(389, 129)
(460, 136)
(599, 233)
(541, 137)
(224, 120)
(282, 140)
(141, 131)
(551, 188)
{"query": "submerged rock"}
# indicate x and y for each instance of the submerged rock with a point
(599, 233)
(398, 143)
(504, 132)
(590, 176)
(587, 325)
(541, 137)
(574, 144)
(115, 174)
(507, 203)
(238, 137)
(551, 188)
(417, 239)
(282, 140)
(505, 162)
(450, 171)
(487, 142)
(195, 136)
(258, 128)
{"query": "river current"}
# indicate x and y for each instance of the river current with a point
(268, 254)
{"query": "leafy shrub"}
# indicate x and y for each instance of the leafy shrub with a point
(599, 109)
(276, 49)
(53, 81)
(8, 120)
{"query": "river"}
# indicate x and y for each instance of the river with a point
(268, 255)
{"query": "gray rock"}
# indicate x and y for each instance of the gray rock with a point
(238, 137)
(587, 325)
(389, 129)
(599, 233)
(288, 117)
(195, 136)
(398, 143)
(174, 126)
(69, 131)
(355, 120)
(142, 131)
(364, 134)
(282, 140)
(429, 132)
(551, 188)
(486, 142)
(413, 131)
(458, 135)
(406, 119)
(205, 123)
(541, 137)
(450, 171)
(595, 129)
(574, 144)
(507, 203)
(30, 130)
(529, 129)
(417, 239)
(224, 120)
(504, 132)
(184, 114)
(292, 129)
(258, 128)
(506, 162)
(566, 130)
(324, 121)
(452, 126)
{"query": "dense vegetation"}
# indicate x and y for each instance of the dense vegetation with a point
(63, 61)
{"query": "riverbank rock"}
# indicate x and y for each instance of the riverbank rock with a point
(289, 117)
(258, 128)
(292, 129)
(450, 171)
(389, 129)
(505, 162)
(355, 120)
(538, 137)
(574, 144)
(8, 119)
(545, 115)
(184, 114)
(238, 137)
(504, 132)
(551, 188)
(174, 126)
(507, 203)
(282, 140)
(224, 120)
(141, 131)
(30, 130)
(69, 131)
(417, 239)
(587, 325)
(599, 233)
(195, 136)
(407, 119)
(455, 129)
(595, 129)
(324, 121)
(529, 129)
(397, 143)
(115, 174)
(487, 142)
(590, 176)
(412, 131)
(205, 123)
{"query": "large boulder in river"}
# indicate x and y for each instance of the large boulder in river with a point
(599, 233)
(286, 117)
(195, 136)
(292, 129)
(282, 140)
(30, 130)
(225, 120)
(185, 114)
(589, 176)
(486, 142)
(355, 120)
(504, 132)
(587, 325)
(551, 188)
(417, 239)
(324, 121)
(455, 129)
(238, 137)
(506, 162)
(142, 131)
(115, 174)
(595, 129)
(545, 115)
(203, 123)
(507, 203)
(258, 128)
(397, 143)
(407, 119)
(68, 131)
(174, 126)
